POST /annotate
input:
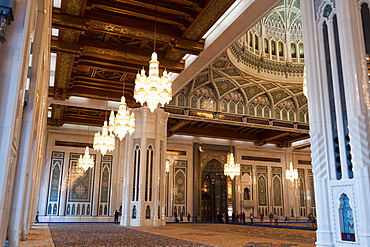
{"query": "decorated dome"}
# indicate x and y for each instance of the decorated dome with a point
(274, 46)
(260, 75)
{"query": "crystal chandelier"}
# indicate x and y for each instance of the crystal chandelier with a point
(123, 122)
(291, 174)
(86, 161)
(153, 89)
(169, 161)
(105, 142)
(231, 168)
(304, 82)
(167, 165)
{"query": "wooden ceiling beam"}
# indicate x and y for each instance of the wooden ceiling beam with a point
(130, 26)
(111, 87)
(102, 89)
(68, 21)
(140, 55)
(98, 122)
(132, 54)
(176, 127)
(272, 138)
(101, 80)
(178, 7)
(103, 59)
(82, 24)
(105, 67)
(66, 47)
(216, 133)
(162, 15)
(102, 94)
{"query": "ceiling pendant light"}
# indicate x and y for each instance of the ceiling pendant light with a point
(291, 174)
(304, 82)
(153, 89)
(86, 161)
(231, 168)
(105, 142)
(124, 122)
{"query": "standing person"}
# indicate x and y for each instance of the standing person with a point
(219, 217)
(243, 215)
(276, 220)
(181, 219)
(251, 217)
(271, 217)
(188, 217)
(261, 218)
(233, 217)
(37, 217)
(175, 215)
(116, 214)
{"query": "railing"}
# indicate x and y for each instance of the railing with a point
(176, 112)
(260, 63)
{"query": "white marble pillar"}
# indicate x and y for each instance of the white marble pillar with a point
(318, 115)
(32, 127)
(144, 182)
(13, 57)
(356, 84)
(337, 60)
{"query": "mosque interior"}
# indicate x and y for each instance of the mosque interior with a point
(238, 99)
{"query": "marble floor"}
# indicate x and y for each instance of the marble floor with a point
(179, 234)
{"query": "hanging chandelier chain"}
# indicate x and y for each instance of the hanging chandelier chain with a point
(155, 23)
(124, 72)
(106, 103)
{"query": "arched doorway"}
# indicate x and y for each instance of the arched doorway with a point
(214, 190)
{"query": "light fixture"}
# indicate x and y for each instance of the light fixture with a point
(304, 82)
(153, 89)
(105, 142)
(291, 174)
(169, 161)
(86, 161)
(231, 168)
(168, 165)
(124, 122)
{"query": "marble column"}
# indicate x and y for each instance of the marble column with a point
(338, 100)
(144, 183)
(13, 56)
(32, 128)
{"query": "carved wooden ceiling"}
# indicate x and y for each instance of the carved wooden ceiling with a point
(101, 46)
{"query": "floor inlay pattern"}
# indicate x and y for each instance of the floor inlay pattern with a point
(179, 234)
(98, 234)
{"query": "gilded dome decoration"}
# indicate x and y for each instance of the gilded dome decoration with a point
(260, 75)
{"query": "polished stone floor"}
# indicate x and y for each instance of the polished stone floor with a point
(179, 234)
